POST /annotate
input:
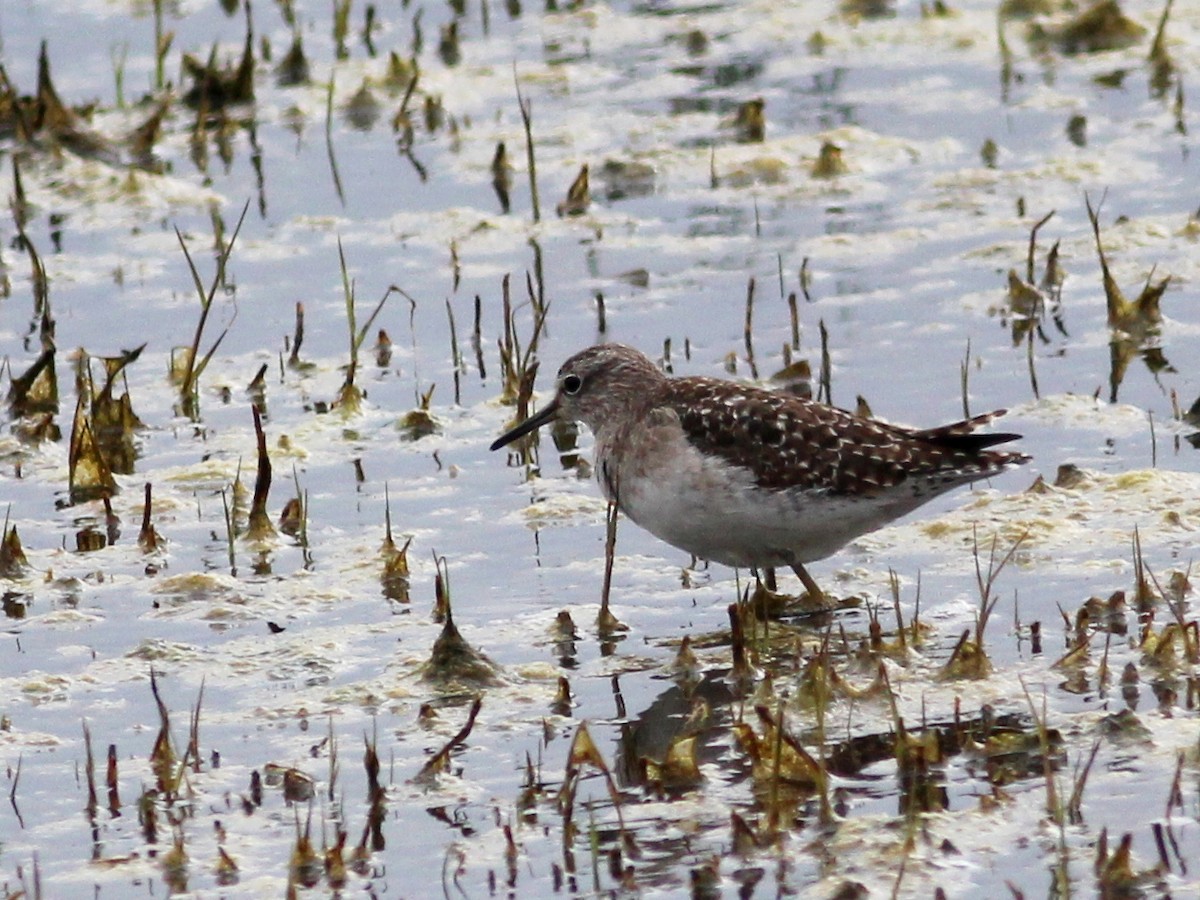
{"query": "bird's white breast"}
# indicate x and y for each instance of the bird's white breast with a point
(701, 504)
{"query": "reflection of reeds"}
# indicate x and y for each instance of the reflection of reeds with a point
(89, 768)
(1135, 324)
(305, 866)
(440, 761)
(260, 527)
(1161, 648)
(175, 864)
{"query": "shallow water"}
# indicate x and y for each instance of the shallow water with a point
(908, 254)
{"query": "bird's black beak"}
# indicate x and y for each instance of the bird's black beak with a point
(535, 421)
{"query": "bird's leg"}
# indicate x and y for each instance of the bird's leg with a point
(815, 594)
(768, 577)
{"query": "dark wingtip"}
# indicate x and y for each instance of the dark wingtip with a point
(962, 436)
(991, 440)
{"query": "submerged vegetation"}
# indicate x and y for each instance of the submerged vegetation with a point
(1011, 707)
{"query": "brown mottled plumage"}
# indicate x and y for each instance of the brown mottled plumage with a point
(790, 442)
(751, 477)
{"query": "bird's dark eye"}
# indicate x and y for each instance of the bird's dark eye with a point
(571, 384)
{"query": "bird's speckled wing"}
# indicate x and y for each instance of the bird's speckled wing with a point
(790, 442)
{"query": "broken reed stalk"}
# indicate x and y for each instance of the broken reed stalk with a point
(147, 539)
(794, 316)
(539, 277)
(776, 773)
(297, 336)
(825, 387)
(302, 497)
(333, 167)
(193, 369)
(402, 113)
(1029, 262)
(456, 360)
(456, 357)
(162, 41)
(594, 846)
(527, 121)
(334, 768)
(348, 296)
(1175, 794)
(162, 756)
(1030, 363)
(230, 533)
(441, 591)
(477, 338)
(112, 781)
(508, 339)
(193, 747)
(964, 375)
(748, 328)
(37, 878)
(1153, 440)
(1141, 587)
(371, 760)
(1075, 803)
(1053, 805)
(90, 771)
(894, 586)
(119, 56)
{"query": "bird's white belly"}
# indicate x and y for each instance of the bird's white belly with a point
(714, 511)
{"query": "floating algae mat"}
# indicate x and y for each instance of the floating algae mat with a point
(272, 278)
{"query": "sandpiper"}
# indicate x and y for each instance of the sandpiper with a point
(751, 477)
